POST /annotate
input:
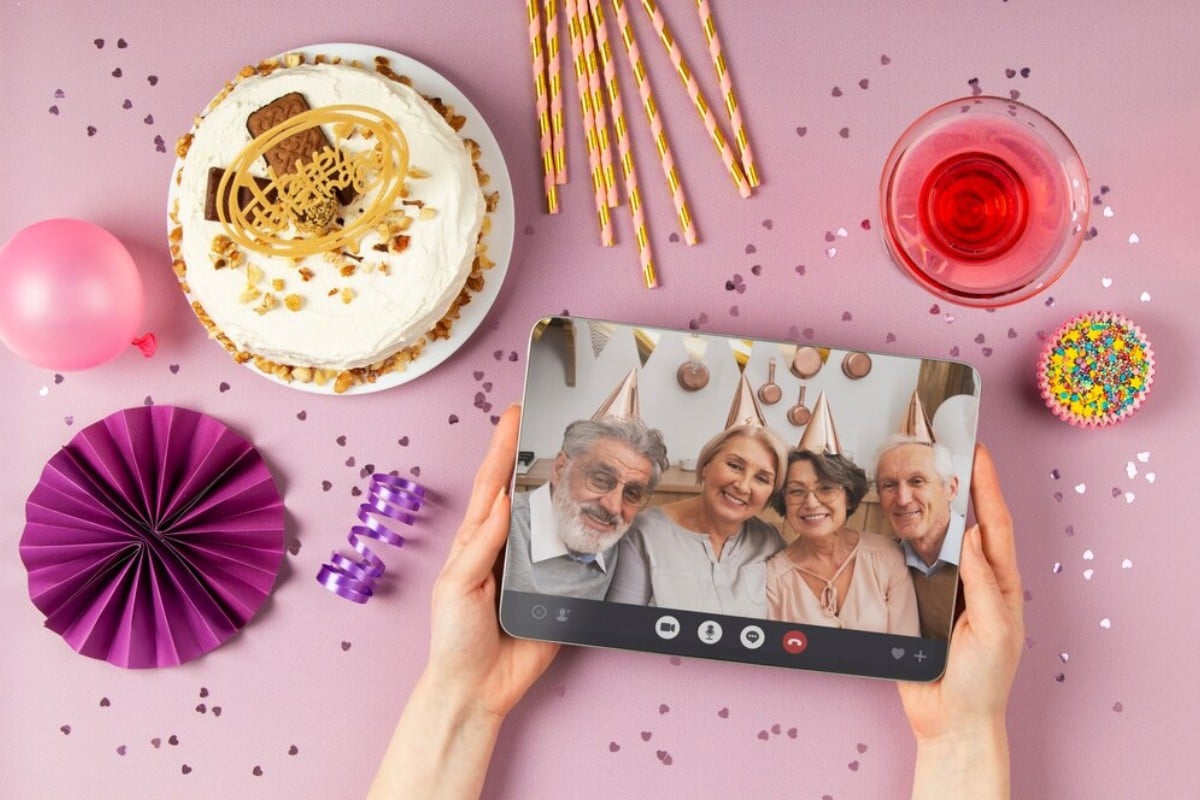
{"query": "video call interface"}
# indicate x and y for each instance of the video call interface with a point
(759, 501)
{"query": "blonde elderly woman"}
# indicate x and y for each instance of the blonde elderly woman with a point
(830, 574)
(708, 552)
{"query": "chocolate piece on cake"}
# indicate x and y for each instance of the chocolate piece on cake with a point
(297, 148)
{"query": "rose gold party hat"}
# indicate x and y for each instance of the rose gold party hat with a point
(915, 423)
(820, 436)
(623, 402)
(745, 409)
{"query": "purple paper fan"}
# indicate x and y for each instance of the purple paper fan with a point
(152, 537)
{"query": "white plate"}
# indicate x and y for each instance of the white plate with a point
(500, 240)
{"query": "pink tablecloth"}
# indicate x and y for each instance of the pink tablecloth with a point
(301, 703)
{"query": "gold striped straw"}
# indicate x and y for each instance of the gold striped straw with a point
(624, 153)
(543, 117)
(657, 131)
(726, 84)
(693, 90)
(589, 122)
(553, 55)
(593, 72)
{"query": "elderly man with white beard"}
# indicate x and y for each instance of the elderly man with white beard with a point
(563, 537)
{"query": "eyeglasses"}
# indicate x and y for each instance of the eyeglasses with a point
(889, 486)
(798, 492)
(603, 481)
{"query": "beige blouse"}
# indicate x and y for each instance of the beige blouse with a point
(881, 597)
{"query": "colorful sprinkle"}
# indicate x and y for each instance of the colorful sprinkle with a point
(1096, 370)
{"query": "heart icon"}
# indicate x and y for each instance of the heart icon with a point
(897, 653)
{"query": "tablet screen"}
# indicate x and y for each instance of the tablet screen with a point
(740, 499)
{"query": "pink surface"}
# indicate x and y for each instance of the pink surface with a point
(301, 702)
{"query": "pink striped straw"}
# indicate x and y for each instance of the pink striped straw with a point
(693, 90)
(539, 88)
(556, 97)
(656, 126)
(593, 72)
(625, 154)
(726, 83)
(589, 123)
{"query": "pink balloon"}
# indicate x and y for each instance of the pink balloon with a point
(70, 295)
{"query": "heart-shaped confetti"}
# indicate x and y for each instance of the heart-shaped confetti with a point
(1057, 568)
(453, 419)
(202, 708)
(116, 73)
(127, 104)
(1088, 555)
(1134, 238)
(345, 646)
(1080, 488)
(1129, 496)
(768, 224)
(185, 769)
(751, 249)
(613, 747)
(173, 740)
(723, 713)
(801, 130)
(646, 736)
(66, 730)
(223, 387)
(776, 729)
(1087, 574)
(152, 80)
(156, 742)
(54, 110)
(864, 83)
(99, 43)
(350, 462)
(121, 749)
(1118, 707)
(853, 765)
(1106, 623)
(837, 92)
(891, 337)
(793, 733)
(663, 708)
(122, 44)
(846, 316)
(885, 60)
(1144, 297)
(844, 133)
(257, 771)
(148, 119)
(105, 702)
(293, 750)
(764, 735)
(862, 748)
(935, 309)
(91, 130)
(1106, 282)
(1126, 564)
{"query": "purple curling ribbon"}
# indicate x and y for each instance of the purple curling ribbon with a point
(388, 498)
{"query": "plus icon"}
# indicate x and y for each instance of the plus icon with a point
(920, 656)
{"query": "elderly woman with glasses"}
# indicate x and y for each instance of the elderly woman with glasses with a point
(708, 552)
(832, 575)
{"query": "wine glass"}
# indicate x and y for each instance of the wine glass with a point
(984, 201)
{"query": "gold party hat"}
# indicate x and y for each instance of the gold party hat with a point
(820, 436)
(915, 423)
(623, 402)
(745, 409)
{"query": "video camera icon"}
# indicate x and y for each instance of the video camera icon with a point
(667, 627)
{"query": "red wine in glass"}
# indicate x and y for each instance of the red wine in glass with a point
(984, 201)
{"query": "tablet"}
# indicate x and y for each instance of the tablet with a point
(741, 499)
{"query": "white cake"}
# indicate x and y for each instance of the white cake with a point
(345, 292)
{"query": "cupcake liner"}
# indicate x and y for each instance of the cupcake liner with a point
(152, 537)
(1096, 370)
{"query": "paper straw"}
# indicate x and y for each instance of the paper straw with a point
(543, 117)
(593, 74)
(726, 83)
(693, 90)
(589, 122)
(656, 126)
(625, 154)
(556, 98)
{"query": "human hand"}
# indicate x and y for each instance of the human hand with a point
(472, 661)
(476, 673)
(958, 720)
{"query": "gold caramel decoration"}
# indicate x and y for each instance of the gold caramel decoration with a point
(305, 199)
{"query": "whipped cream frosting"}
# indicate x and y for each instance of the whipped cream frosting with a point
(391, 299)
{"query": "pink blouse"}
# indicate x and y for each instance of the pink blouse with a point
(881, 597)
